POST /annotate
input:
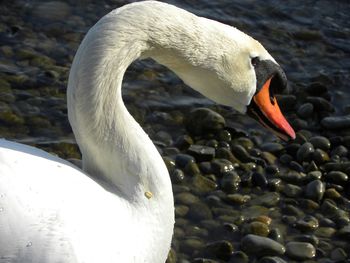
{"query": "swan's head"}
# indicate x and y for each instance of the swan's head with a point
(235, 70)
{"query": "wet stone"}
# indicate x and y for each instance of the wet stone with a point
(201, 153)
(230, 182)
(305, 152)
(296, 166)
(276, 235)
(200, 211)
(320, 156)
(320, 104)
(237, 199)
(320, 142)
(336, 122)
(182, 160)
(332, 194)
(183, 142)
(271, 260)
(256, 228)
(269, 199)
(344, 233)
(291, 190)
(221, 166)
(225, 153)
(300, 250)
(285, 158)
(239, 257)
(313, 175)
(241, 153)
(338, 254)
(202, 184)
(181, 210)
(186, 198)
(292, 210)
(308, 238)
(224, 135)
(337, 177)
(307, 223)
(258, 179)
(305, 110)
(272, 147)
(341, 151)
(191, 244)
(202, 120)
(177, 176)
(191, 169)
(222, 249)
(315, 190)
(325, 232)
(261, 246)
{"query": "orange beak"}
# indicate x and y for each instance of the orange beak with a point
(269, 114)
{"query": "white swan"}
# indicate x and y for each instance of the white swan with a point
(120, 207)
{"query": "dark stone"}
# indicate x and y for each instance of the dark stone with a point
(300, 250)
(261, 246)
(336, 122)
(201, 153)
(241, 153)
(222, 249)
(320, 142)
(202, 120)
(315, 190)
(182, 160)
(305, 152)
(259, 179)
(221, 166)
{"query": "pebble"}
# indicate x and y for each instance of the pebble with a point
(221, 166)
(305, 110)
(239, 257)
(325, 232)
(336, 122)
(300, 250)
(307, 223)
(258, 179)
(305, 152)
(320, 142)
(222, 249)
(241, 153)
(230, 182)
(181, 160)
(337, 177)
(201, 153)
(238, 199)
(271, 260)
(203, 120)
(269, 199)
(315, 190)
(200, 211)
(203, 185)
(261, 246)
(272, 147)
(186, 198)
(291, 190)
(338, 254)
(256, 228)
(276, 235)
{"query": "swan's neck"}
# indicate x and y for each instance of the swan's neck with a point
(113, 145)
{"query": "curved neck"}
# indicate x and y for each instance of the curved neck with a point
(114, 147)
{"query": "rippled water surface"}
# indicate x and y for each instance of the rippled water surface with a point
(309, 39)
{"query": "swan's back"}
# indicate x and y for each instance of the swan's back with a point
(51, 211)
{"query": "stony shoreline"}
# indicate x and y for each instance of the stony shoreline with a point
(241, 195)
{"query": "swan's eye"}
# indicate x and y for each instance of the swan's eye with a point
(255, 61)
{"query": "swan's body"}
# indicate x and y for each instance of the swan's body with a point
(51, 211)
